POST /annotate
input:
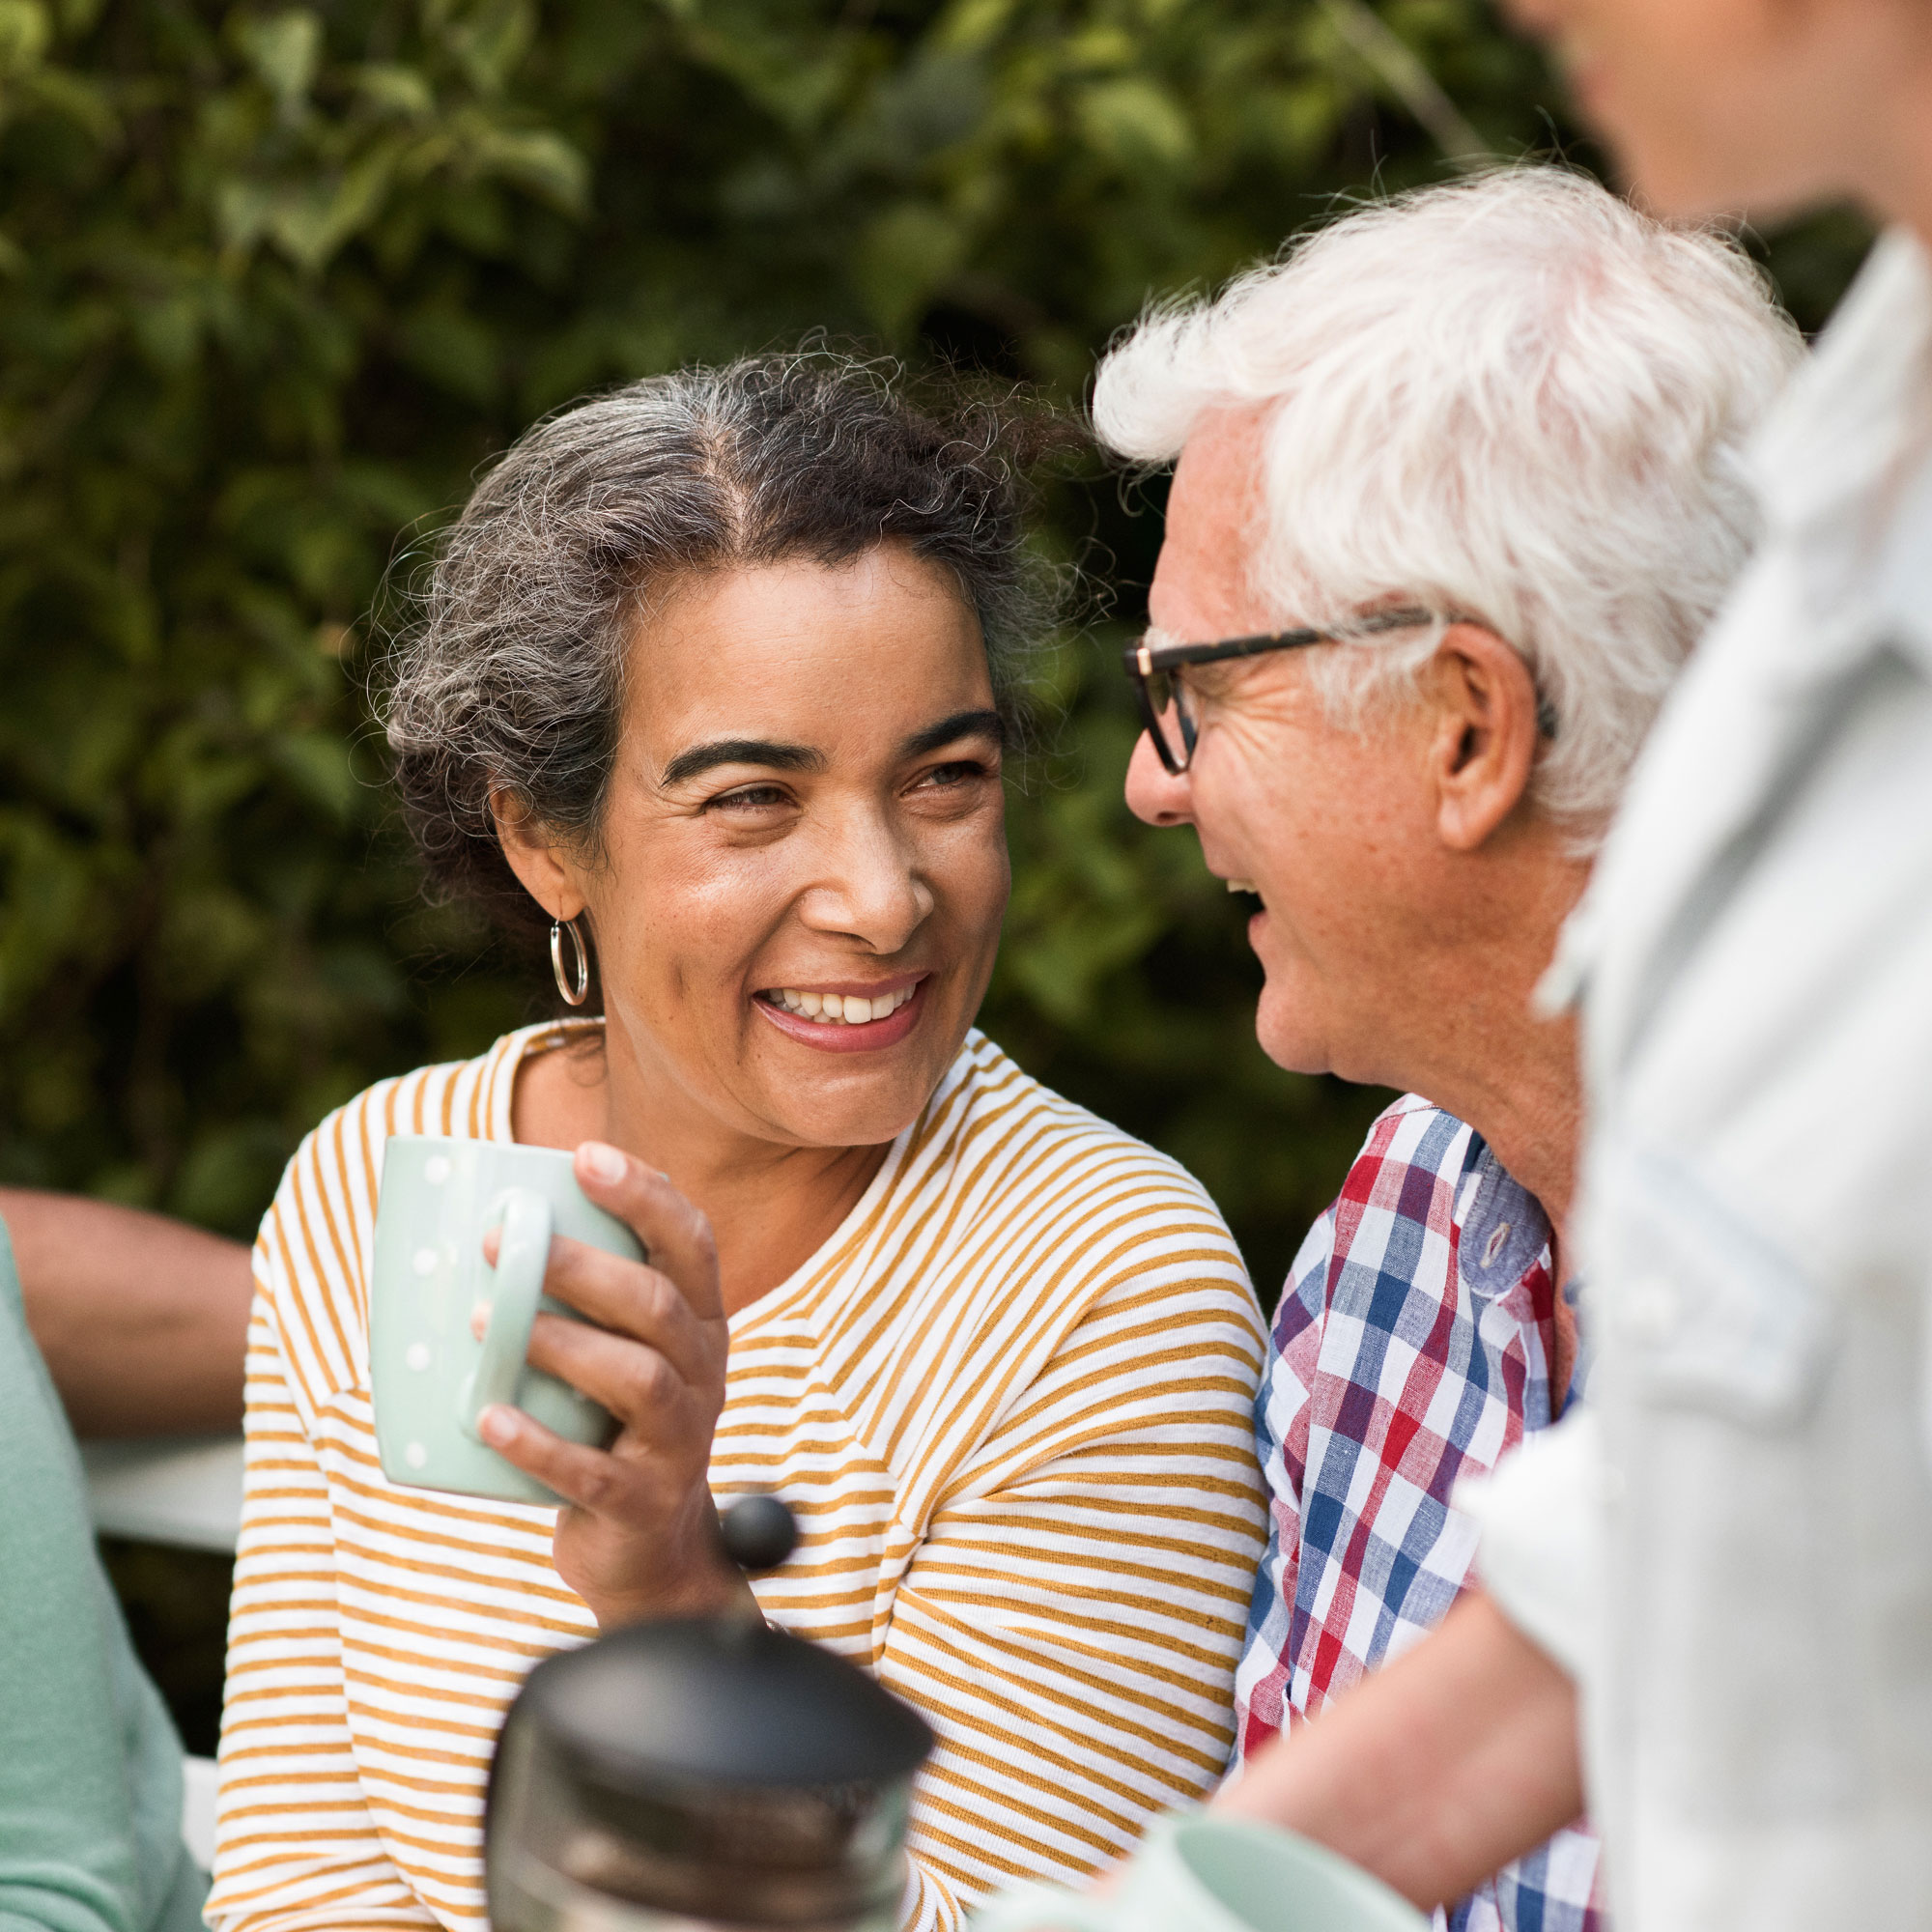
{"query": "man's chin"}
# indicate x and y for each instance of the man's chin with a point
(1287, 1039)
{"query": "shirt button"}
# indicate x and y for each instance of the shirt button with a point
(1651, 1311)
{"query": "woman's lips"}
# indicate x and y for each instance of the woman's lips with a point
(868, 1036)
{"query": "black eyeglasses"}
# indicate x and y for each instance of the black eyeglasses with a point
(1153, 670)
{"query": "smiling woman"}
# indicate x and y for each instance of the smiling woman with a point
(714, 676)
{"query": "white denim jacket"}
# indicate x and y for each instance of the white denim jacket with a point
(1734, 1552)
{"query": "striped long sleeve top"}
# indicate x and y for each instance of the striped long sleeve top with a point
(1008, 1402)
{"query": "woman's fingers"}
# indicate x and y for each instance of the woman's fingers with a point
(641, 1534)
(594, 1479)
(638, 1301)
(628, 1298)
(675, 1236)
(610, 1499)
(635, 1383)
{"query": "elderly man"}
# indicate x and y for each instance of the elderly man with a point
(1457, 490)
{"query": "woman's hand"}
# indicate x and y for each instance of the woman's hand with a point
(640, 1536)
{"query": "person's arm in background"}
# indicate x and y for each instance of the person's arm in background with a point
(91, 1775)
(1437, 1769)
(142, 1321)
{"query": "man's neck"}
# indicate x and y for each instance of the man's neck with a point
(1471, 1040)
(1534, 1123)
(1523, 1094)
(1521, 1089)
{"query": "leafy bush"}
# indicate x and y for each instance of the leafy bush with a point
(275, 280)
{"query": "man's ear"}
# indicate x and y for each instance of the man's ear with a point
(1484, 737)
(543, 865)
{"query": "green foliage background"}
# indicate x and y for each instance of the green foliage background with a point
(275, 280)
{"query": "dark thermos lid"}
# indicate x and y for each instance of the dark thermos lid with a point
(711, 1768)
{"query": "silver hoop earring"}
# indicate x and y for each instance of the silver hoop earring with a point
(574, 986)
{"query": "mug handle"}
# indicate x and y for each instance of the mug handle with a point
(1045, 1908)
(516, 1286)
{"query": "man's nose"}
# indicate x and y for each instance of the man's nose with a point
(1154, 792)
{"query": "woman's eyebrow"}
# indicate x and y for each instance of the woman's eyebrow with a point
(766, 752)
(961, 724)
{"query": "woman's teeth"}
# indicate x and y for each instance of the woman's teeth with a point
(838, 1008)
(1243, 886)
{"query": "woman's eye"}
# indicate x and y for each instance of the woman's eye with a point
(962, 770)
(750, 798)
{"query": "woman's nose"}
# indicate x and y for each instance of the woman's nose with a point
(874, 891)
(1154, 792)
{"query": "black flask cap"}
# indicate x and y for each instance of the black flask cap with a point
(722, 1701)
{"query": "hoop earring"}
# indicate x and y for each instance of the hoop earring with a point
(574, 987)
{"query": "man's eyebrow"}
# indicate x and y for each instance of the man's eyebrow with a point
(775, 756)
(961, 724)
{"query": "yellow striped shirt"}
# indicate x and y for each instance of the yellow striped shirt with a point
(1007, 1400)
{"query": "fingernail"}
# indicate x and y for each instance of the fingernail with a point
(600, 1162)
(495, 1427)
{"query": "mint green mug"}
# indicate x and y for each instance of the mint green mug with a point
(1207, 1874)
(429, 1375)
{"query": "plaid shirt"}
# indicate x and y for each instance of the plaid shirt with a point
(1412, 1347)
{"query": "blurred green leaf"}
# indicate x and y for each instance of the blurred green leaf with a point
(905, 255)
(1137, 124)
(24, 33)
(275, 280)
(390, 89)
(283, 48)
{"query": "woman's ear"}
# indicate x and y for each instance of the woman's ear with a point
(543, 865)
(1485, 737)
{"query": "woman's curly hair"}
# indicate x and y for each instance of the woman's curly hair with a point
(509, 676)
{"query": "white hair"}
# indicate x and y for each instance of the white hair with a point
(1512, 398)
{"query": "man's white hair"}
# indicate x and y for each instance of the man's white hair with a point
(1513, 398)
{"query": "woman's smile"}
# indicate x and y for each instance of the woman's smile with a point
(846, 1017)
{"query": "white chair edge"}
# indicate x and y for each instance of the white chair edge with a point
(198, 1810)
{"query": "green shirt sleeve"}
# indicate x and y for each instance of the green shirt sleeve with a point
(90, 1764)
